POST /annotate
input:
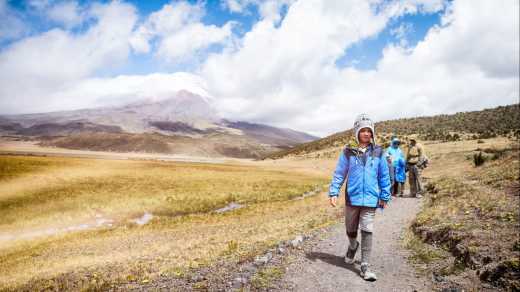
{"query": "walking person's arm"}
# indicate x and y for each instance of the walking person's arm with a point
(338, 178)
(384, 183)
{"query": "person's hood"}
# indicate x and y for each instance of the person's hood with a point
(363, 121)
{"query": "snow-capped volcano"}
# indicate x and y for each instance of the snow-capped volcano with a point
(183, 114)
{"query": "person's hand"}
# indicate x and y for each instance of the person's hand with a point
(333, 201)
(381, 204)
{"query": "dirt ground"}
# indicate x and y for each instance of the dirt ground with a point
(324, 269)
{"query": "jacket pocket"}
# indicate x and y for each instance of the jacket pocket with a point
(372, 183)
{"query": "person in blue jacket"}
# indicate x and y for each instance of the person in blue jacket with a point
(368, 187)
(398, 166)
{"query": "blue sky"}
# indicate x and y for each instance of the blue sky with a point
(309, 65)
(216, 14)
(363, 55)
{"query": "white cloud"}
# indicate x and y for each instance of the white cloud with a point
(286, 75)
(268, 9)
(11, 23)
(127, 88)
(237, 6)
(282, 72)
(67, 13)
(192, 38)
(396, 8)
(32, 69)
(179, 32)
(173, 17)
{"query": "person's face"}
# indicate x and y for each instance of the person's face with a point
(412, 142)
(365, 136)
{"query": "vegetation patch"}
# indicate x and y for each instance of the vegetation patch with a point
(265, 277)
(473, 218)
(489, 123)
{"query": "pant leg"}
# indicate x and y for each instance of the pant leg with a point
(366, 224)
(411, 180)
(366, 219)
(400, 188)
(418, 180)
(352, 215)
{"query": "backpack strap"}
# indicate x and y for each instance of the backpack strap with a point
(348, 152)
(377, 151)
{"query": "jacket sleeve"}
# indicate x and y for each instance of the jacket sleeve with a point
(384, 180)
(339, 176)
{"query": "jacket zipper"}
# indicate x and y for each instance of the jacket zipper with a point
(364, 172)
(363, 185)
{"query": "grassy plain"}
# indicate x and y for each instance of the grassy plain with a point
(68, 223)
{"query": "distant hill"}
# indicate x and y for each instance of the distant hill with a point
(487, 123)
(215, 145)
(185, 123)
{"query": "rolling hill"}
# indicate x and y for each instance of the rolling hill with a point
(487, 123)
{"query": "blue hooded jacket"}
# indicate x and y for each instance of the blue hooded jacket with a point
(398, 162)
(368, 177)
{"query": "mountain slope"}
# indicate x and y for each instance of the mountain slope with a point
(185, 123)
(486, 123)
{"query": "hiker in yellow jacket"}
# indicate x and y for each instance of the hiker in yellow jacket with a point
(414, 157)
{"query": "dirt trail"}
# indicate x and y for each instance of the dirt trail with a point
(323, 269)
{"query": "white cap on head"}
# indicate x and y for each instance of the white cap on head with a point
(363, 121)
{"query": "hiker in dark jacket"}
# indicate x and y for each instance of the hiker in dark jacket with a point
(368, 187)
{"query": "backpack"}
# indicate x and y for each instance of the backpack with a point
(423, 162)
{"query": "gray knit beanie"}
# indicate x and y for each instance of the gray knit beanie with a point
(363, 121)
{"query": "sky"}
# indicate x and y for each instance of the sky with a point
(307, 65)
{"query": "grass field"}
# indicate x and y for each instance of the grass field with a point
(467, 231)
(50, 210)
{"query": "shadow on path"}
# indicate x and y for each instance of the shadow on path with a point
(332, 260)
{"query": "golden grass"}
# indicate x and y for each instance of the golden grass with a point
(181, 235)
(166, 246)
(128, 188)
(464, 188)
(475, 207)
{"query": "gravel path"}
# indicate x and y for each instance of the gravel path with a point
(323, 269)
